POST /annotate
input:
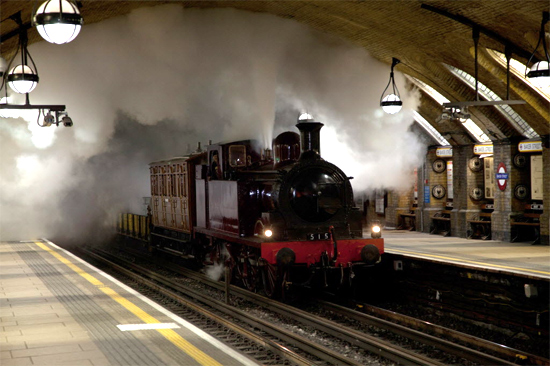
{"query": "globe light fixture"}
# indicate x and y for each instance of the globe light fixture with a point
(391, 103)
(22, 79)
(58, 21)
(539, 73)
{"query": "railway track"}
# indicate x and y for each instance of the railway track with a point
(372, 315)
(168, 293)
(347, 328)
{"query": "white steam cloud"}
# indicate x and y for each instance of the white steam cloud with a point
(148, 85)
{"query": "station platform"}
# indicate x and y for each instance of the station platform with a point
(521, 259)
(58, 310)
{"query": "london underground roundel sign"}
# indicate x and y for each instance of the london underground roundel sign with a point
(502, 176)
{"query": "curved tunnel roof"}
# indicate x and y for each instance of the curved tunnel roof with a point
(433, 40)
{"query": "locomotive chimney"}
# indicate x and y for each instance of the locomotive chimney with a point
(310, 139)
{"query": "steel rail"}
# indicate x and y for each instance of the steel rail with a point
(318, 351)
(424, 326)
(371, 344)
(442, 344)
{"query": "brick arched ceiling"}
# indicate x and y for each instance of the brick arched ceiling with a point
(422, 39)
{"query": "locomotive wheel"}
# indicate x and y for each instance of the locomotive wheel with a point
(270, 280)
(284, 283)
(275, 280)
(218, 254)
(247, 270)
(215, 260)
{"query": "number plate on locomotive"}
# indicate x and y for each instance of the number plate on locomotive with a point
(318, 236)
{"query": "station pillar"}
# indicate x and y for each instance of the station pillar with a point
(433, 192)
(545, 217)
(506, 205)
(468, 188)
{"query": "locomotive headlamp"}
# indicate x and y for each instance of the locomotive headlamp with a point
(376, 231)
(391, 103)
(58, 21)
(268, 233)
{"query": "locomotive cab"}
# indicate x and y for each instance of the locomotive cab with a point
(286, 149)
(226, 160)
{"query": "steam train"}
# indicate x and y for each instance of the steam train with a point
(277, 217)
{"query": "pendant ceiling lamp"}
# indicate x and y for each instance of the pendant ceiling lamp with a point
(23, 77)
(58, 21)
(539, 73)
(391, 103)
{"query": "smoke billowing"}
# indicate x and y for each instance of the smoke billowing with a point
(150, 85)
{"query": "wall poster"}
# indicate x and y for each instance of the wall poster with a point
(450, 179)
(489, 176)
(536, 177)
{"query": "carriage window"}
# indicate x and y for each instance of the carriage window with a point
(173, 182)
(237, 155)
(154, 184)
(165, 181)
(174, 185)
(182, 178)
(160, 182)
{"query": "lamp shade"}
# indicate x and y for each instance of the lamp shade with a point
(58, 21)
(391, 104)
(22, 79)
(539, 74)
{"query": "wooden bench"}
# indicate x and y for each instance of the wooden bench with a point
(481, 226)
(441, 223)
(525, 227)
(407, 221)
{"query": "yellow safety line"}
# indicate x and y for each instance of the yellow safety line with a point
(169, 334)
(467, 261)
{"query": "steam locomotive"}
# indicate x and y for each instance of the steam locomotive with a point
(277, 217)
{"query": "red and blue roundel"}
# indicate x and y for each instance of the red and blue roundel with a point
(502, 176)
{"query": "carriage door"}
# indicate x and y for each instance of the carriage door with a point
(182, 214)
(176, 196)
(165, 203)
(171, 197)
(155, 194)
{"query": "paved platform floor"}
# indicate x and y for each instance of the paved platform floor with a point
(57, 310)
(519, 258)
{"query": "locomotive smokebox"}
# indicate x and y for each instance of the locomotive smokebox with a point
(310, 138)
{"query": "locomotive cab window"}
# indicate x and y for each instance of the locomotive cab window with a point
(237, 156)
(215, 168)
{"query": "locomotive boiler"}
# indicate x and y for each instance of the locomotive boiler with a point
(277, 217)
